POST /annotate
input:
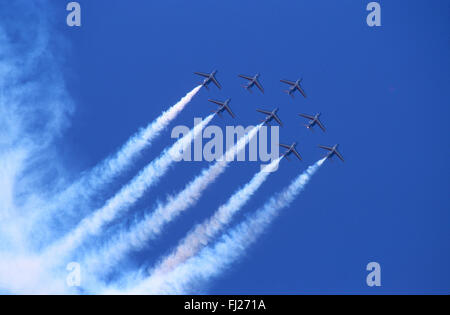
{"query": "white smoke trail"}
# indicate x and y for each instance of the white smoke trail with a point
(211, 261)
(35, 107)
(151, 226)
(127, 196)
(203, 233)
(106, 171)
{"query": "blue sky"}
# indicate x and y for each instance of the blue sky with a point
(384, 98)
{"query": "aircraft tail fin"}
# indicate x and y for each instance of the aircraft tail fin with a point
(289, 93)
(247, 88)
(218, 113)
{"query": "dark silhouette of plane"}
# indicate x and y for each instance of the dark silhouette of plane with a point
(224, 106)
(270, 116)
(291, 150)
(209, 78)
(295, 86)
(253, 81)
(314, 120)
(332, 152)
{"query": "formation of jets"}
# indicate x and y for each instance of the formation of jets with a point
(271, 115)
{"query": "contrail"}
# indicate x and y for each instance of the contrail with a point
(211, 261)
(152, 225)
(128, 195)
(112, 166)
(35, 108)
(203, 233)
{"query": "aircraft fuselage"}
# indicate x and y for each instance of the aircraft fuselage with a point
(292, 89)
(224, 106)
(268, 119)
(209, 79)
(332, 152)
(252, 82)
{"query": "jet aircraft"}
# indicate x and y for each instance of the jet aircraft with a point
(294, 86)
(314, 120)
(291, 150)
(224, 106)
(270, 116)
(253, 82)
(209, 78)
(332, 152)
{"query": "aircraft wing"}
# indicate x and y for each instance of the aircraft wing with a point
(339, 156)
(229, 111)
(301, 91)
(216, 83)
(216, 102)
(307, 116)
(259, 86)
(288, 82)
(277, 119)
(296, 154)
(246, 77)
(320, 125)
(202, 74)
(326, 148)
(264, 112)
(285, 146)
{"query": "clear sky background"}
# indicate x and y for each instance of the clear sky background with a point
(384, 97)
